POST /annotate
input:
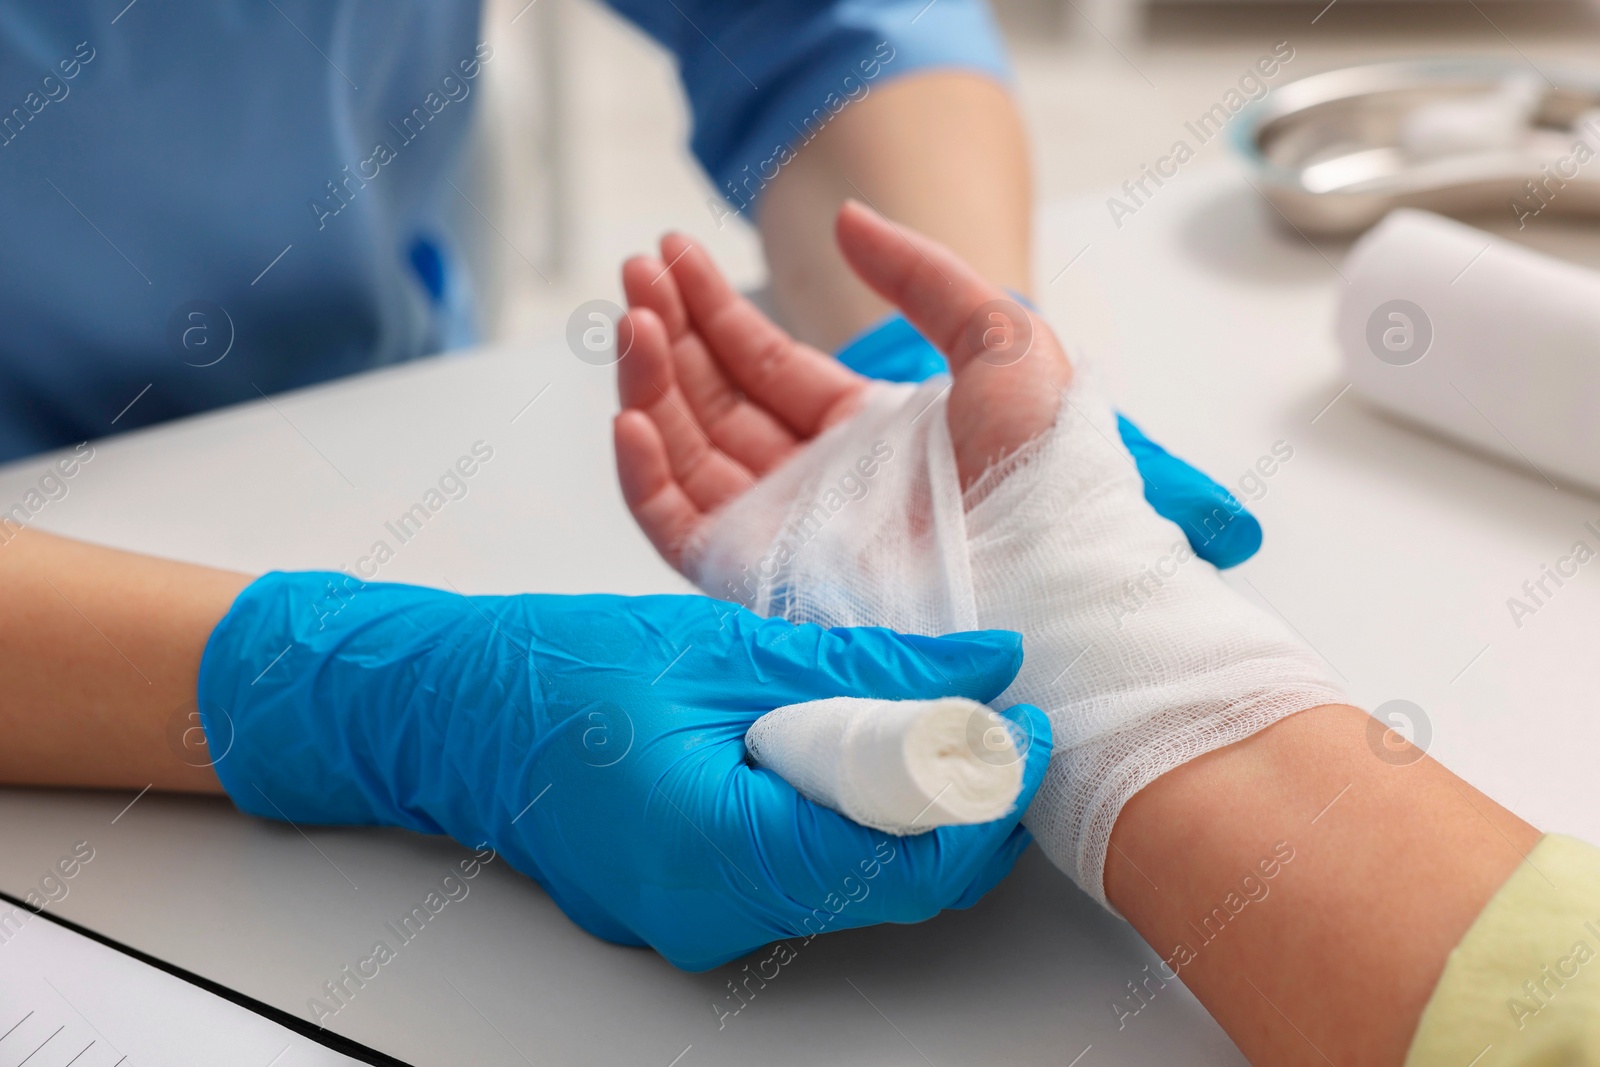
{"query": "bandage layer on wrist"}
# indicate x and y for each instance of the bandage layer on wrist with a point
(1140, 655)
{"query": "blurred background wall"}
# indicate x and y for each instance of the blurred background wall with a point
(582, 149)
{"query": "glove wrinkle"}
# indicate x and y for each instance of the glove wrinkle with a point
(545, 727)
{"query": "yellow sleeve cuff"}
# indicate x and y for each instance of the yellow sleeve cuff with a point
(1522, 989)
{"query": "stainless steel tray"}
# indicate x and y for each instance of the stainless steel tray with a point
(1329, 153)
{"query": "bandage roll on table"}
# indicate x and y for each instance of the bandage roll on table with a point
(1479, 339)
(1140, 655)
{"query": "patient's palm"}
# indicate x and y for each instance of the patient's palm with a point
(715, 394)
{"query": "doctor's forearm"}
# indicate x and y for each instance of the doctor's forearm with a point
(100, 652)
(942, 152)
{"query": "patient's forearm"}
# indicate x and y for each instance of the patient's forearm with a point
(1333, 957)
(942, 152)
(100, 650)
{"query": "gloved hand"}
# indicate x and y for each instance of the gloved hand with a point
(1218, 527)
(597, 743)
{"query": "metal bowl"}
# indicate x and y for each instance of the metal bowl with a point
(1329, 155)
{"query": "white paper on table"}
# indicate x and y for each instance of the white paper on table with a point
(68, 998)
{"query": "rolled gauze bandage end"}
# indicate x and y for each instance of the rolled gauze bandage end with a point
(900, 766)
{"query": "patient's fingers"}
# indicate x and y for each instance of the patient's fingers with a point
(805, 388)
(658, 503)
(938, 292)
(648, 283)
(645, 381)
(999, 402)
(646, 370)
(746, 431)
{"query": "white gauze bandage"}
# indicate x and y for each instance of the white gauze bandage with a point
(1140, 655)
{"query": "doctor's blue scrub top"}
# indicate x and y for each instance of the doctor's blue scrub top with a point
(214, 198)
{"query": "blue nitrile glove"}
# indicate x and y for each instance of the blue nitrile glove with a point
(1219, 528)
(597, 742)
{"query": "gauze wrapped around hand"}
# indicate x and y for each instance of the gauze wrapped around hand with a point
(1139, 654)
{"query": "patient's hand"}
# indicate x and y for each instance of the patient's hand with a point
(715, 394)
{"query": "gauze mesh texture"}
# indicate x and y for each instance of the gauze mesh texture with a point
(1141, 656)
